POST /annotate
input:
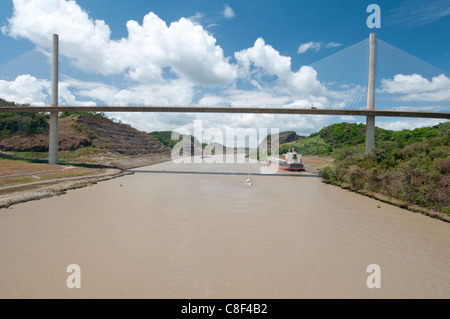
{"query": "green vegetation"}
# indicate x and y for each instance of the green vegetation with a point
(77, 127)
(8, 103)
(165, 137)
(411, 166)
(73, 155)
(313, 145)
(99, 115)
(69, 175)
(341, 139)
(332, 139)
(23, 124)
(80, 128)
(33, 157)
(26, 124)
(25, 180)
(35, 123)
(65, 158)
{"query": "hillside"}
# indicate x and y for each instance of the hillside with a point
(78, 131)
(340, 137)
(23, 124)
(165, 137)
(124, 139)
(410, 166)
(285, 139)
(82, 137)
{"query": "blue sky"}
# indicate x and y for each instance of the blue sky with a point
(284, 24)
(226, 53)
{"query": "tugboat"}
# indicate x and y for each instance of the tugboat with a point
(293, 162)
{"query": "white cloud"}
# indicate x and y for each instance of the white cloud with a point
(410, 124)
(67, 97)
(415, 87)
(228, 12)
(309, 46)
(263, 56)
(319, 102)
(175, 92)
(305, 82)
(152, 49)
(347, 118)
(302, 83)
(418, 12)
(244, 98)
(197, 17)
(316, 46)
(184, 46)
(333, 45)
(26, 89)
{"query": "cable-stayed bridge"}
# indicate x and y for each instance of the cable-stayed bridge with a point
(237, 110)
(327, 92)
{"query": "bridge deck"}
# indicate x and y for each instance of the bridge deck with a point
(247, 110)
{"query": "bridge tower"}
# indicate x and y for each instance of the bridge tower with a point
(53, 139)
(370, 119)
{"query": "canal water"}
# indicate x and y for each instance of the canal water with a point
(199, 231)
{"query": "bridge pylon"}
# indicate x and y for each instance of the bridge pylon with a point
(370, 119)
(53, 138)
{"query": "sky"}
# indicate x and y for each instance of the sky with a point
(290, 53)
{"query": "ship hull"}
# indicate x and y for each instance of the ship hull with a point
(288, 167)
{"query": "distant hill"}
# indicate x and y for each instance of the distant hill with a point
(218, 148)
(285, 139)
(213, 148)
(335, 138)
(165, 137)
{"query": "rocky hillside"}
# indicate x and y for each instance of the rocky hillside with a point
(122, 138)
(186, 142)
(285, 138)
(79, 131)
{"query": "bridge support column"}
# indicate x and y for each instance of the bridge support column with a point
(370, 120)
(370, 134)
(53, 139)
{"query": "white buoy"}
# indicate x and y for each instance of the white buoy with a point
(249, 180)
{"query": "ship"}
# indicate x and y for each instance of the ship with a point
(293, 162)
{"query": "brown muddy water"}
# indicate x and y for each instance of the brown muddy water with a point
(198, 231)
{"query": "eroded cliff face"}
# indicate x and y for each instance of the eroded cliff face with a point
(81, 131)
(283, 138)
(122, 138)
